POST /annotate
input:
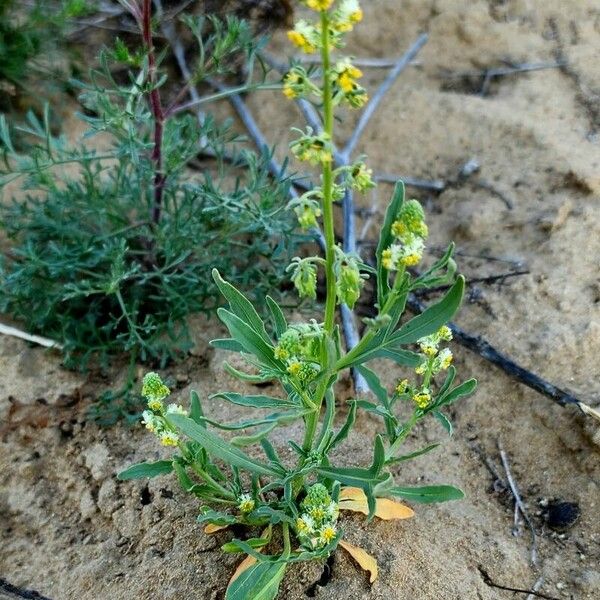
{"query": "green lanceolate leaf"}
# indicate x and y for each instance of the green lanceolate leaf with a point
(342, 434)
(431, 319)
(277, 316)
(257, 401)
(378, 456)
(385, 240)
(196, 412)
(352, 476)
(227, 344)
(233, 547)
(260, 581)
(218, 447)
(406, 358)
(448, 381)
(247, 440)
(241, 306)
(250, 341)
(374, 384)
(460, 391)
(246, 376)
(427, 494)
(444, 420)
(412, 455)
(147, 469)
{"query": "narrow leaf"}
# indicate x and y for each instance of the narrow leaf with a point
(374, 384)
(277, 316)
(196, 412)
(412, 455)
(431, 319)
(218, 447)
(258, 581)
(464, 389)
(241, 306)
(257, 401)
(428, 494)
(251, 341)
(227, 344)
(444, 420)
(147, 469)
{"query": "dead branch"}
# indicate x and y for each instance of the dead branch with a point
(518, 502)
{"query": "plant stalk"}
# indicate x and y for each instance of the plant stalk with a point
(157, 112)
(328, 179)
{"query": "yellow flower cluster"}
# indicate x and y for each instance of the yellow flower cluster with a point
(155, 391)
(305, 36)
(347, 15)
(410, 231)
(319, 4)
(315, 527)
(346, 88)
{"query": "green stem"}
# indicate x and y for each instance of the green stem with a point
(328, 179)
(405, 431)
(212, 483)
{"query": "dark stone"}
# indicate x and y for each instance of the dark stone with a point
(561, 515)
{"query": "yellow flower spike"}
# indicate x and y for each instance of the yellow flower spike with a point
(355, 500)
(364, 559)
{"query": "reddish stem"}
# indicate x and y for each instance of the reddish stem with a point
(157, 112)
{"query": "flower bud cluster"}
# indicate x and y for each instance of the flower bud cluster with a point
(316, 525)
(155, 418)
(315, 149)
(304, 276)
(349, 280)
(299, 348)
(410, 232)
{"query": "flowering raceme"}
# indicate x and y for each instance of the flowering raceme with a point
(304, 494)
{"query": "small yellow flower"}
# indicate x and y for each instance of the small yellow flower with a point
(317, 513)
(327, 534)
(444, 333)
(347, 15)
(386, 259)
(422, 399)
(294, 368)
(304, 36)
(281, 353)
(410, 260)
(445, 359)
(402, 386)
(155, 404)
(246, 503)
(319, 4)
(305, 525)
(169, 438)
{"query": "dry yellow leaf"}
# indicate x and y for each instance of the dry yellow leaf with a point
(245, 564)
(212, 528)
(364, 559)
(355, 499)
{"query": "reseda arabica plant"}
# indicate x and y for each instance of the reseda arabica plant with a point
(302, 498)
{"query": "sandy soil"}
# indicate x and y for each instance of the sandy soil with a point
(70, 530)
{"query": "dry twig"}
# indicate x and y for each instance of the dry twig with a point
(519, 503)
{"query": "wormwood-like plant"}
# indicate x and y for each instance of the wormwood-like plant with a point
(301, 499)
(112, 255)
